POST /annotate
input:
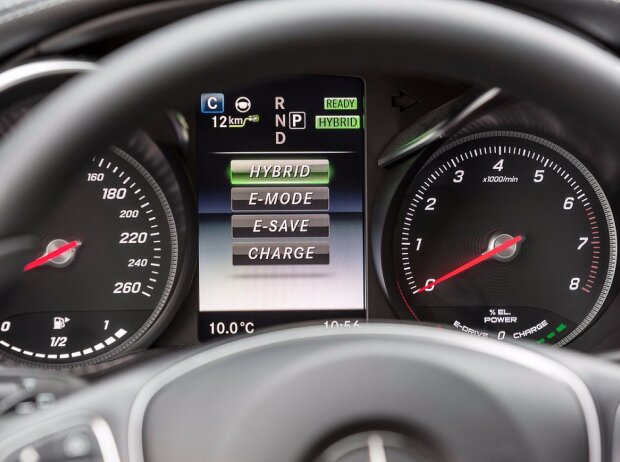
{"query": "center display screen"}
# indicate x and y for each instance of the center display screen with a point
(281, 174)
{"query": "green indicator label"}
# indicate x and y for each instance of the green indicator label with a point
(337, 122)
(339, 104)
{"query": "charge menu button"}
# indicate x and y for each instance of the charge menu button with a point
(306, 253)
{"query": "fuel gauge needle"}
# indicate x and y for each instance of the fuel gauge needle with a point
(470, 264)
(42, 260)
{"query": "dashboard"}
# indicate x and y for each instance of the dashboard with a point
(327, 199)
(320, 199)
(217, 218)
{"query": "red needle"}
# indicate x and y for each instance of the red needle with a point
(472, 263)
(50, 256)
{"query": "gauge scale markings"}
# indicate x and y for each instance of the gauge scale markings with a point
(500, 148)
(123, 269)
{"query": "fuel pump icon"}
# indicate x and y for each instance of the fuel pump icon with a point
(60, 322)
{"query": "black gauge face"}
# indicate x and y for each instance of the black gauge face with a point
(105, 268)
(507, 235)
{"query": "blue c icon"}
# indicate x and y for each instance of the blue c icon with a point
(212, 103)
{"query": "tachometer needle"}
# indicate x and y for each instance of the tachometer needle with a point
(470, 264)
(42, 260)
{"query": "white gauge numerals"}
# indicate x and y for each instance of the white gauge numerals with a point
(505, 232)
(114, 193)
(539, 176)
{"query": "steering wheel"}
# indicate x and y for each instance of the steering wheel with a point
(380, 392)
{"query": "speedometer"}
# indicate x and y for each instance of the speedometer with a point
(505, 234)
(104, 271)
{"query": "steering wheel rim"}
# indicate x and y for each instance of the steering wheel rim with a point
(470, 41)
(150, 410)
(462, 397)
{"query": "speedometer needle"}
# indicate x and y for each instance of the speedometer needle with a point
(42, 260)
(470, 264)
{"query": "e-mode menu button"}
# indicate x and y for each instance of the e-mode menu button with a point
(280, 199)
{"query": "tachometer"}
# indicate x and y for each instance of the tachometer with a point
(507, 233)
(105, 270)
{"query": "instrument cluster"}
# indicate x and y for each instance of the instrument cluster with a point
(334, 200)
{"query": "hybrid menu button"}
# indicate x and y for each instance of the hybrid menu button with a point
(279, 171)
(305, 225)
(293, 253)
(302, 199)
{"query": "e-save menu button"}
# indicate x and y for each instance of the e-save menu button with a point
(302, 225)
